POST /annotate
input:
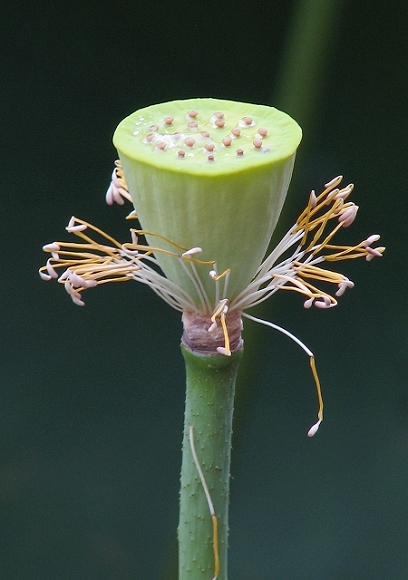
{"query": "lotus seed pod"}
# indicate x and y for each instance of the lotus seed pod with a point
(209, 173)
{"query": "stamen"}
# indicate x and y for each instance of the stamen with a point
(311, 361)
(348, 217)
(221, 310)
(44, 276)
(192, 252)
(78, 228)
(209, 502)
(118, 188)
(334, 182)
(54, 247)
(132, 215)
(51, 271)
(314, 428)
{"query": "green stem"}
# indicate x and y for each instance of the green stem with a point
(209, 410)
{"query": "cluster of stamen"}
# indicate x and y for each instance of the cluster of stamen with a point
(93, 262)
(192, 135)
(311, 236)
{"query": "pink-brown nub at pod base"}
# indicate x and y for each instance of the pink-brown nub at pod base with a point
(198, 338)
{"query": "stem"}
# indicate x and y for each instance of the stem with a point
(209, 409)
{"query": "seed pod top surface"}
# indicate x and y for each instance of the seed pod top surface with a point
(207, 136)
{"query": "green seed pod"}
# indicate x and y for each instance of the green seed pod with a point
(212, 174)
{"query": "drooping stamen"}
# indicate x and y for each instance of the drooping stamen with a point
(118, 188)
(209, 502)
(311, 361)
(220, 311)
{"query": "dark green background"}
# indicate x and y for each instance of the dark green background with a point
(91, 400)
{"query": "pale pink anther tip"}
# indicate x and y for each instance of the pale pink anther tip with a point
(77, 228)
(371, 239)
(44, 276)
(314, 428)
(76, 299)
(109, 196)
(224, 351)
(334, 181)
(54, 247)
(193, 251)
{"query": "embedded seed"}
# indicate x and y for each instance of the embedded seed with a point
(205, 134)
(161, 145)
(227, 141)
(240, 152)
(169, 120)
(149, 137)
(192, 125)
(219, 115)
(193, 114)
(220, 123)
(262, 131)
(209, 146)
(257, 143)
(181, 154)
(247, 120)
(189, 141)
(236, 132)
(211, 158)
(154, 127)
